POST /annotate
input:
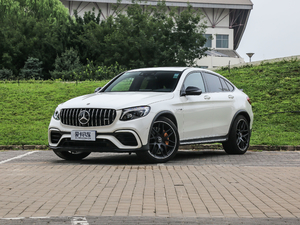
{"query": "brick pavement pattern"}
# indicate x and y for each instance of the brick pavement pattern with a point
(194, 184)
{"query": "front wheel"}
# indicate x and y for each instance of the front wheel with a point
(72, 155)
(163, 142)
(239, 137)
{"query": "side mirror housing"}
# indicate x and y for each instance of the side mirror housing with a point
(98, 89)
(191, 90)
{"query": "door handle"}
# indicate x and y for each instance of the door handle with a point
(231, 96)
(206, 97)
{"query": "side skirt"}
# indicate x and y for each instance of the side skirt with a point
(204, 140)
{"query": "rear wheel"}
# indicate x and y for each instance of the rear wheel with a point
(163, 141)
(72, 155)
(239, 137)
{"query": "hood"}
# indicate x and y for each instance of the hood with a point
(117, 100)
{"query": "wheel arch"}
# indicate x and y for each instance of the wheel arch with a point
(167, 114)
(240, 112)
(168, 118)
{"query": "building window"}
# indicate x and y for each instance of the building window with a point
(208, 40)
(222, 41)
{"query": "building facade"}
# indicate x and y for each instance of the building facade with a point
(226, 22)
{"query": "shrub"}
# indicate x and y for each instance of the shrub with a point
(93, 72)
(6, 74)
(32, 69)
(67, 66)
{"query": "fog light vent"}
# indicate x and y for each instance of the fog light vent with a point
(127, 139)
(55, 136)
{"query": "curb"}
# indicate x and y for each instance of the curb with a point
(185, 147)
(24, 147)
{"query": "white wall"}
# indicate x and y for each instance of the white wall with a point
(213, 62)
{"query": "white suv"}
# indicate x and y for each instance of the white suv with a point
(151, 112)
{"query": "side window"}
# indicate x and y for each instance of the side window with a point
(213, 82)
(195, 80)
(224, 85)
(229, 86)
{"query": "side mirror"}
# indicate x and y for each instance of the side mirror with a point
(98, 89)
(190, 90)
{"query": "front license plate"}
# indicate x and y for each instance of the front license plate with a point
(83, 135)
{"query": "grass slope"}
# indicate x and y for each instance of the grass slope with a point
(274, 89)
(26, 108)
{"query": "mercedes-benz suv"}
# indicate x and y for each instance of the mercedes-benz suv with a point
(152, 112)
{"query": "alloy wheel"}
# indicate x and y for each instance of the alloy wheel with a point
(163, 140)
(242, 135)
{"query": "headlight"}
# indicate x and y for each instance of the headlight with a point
(56, 114)
(134, 113)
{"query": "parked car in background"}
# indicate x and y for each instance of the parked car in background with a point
(152, 112)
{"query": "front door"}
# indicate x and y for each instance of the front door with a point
(198, 112)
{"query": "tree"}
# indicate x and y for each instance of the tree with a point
(29, 28)
(140, 36)
(156, 36)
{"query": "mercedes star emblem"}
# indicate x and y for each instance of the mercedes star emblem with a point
(84, 117)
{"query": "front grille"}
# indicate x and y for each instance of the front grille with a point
(93, 117)
(99, 143)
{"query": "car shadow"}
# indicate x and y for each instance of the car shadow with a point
(187, 155)
(182, 157)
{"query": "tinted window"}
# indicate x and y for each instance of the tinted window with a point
(195, 80)
(148, 81)
(123, 85)
(224, 85)
(213, 83)
(229, 85)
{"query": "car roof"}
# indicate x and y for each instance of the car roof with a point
(180, 69)
(161, 69)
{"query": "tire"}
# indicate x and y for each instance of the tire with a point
(239, 137)
(72, 155)
(163, 142)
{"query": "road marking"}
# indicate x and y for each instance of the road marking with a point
(16, 218)
(18, 157)
(40, 217)
(78, 220)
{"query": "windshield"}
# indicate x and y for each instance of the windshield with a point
(146, 81)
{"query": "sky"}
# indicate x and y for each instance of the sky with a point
(273, 30)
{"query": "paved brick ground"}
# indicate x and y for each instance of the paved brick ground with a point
(194, 185)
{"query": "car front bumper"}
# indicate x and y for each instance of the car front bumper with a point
(119, 141)
(120, 136)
